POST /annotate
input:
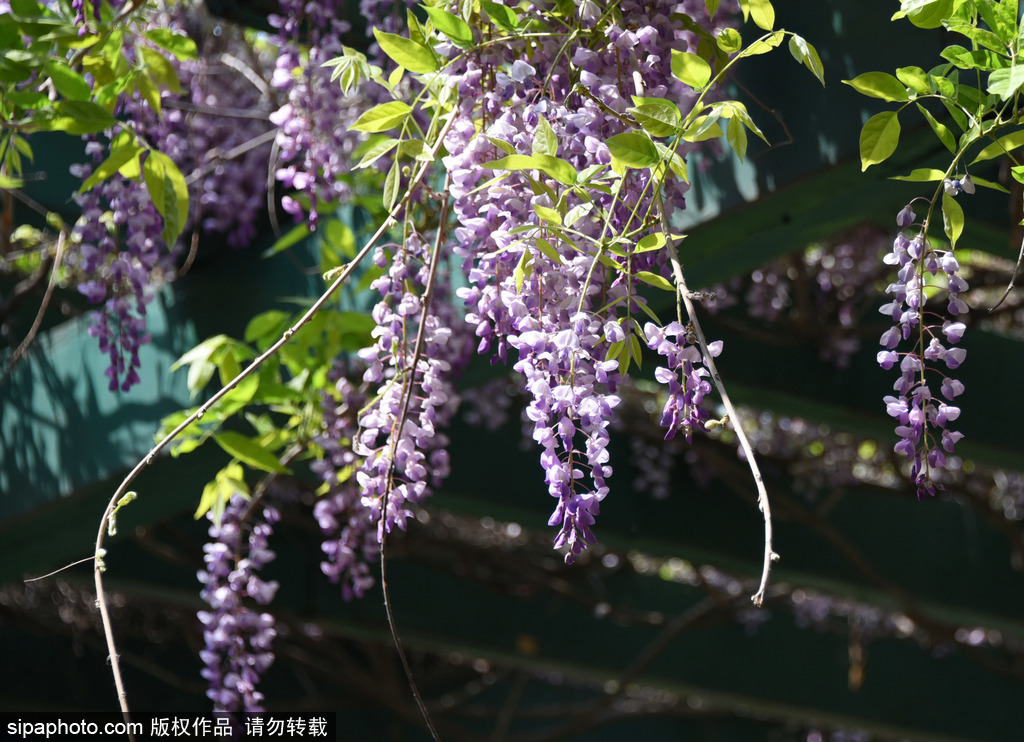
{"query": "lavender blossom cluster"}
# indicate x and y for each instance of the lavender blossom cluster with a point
(238, 638)
(565, 315)
(120, 250)
(923, 419)
(350, 538)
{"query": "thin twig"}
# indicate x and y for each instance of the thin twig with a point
(57, 260)
(217, 158)
(428, 292)
(1010, 287)
(737, 421)
(61, 569)
(238, 113)
(338, 282)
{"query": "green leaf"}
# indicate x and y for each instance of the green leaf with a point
(1003, 145)
(922, 175)
(111, 165)
(178, 44)
(982, 182)
(410, 54)
(729, 40)
(377, 151)
(712, 7)
(927, 13)
(558, 169)
(249, 452)
(879, 138)
(267, 325)
(944, 134)
(914, 78)
(803, 52)
(762, 13)
(68, 83)
(77, 117)
(161, 70)
(293, 236)
(736, 135)
(551, 216)
(382, 117)
(654, 241)
(545, 141)
(577, 212)
(690, 69)
(519, 274)
(765, 45)
(657, 116)
(655, 280)
(167, 188)
(200, 369)
(879, 85)
(548, 250)
(1006, 82)
(952, 218)
(391, 184)
(504, 18)
(632, 149)
(451, 26)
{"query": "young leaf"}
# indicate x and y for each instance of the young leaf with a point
(736, 135)
(451, 26)
(68, 83)
(111, 165)
(952, 218)
(944, 134)
(762, 13)
(1003, 145)
(391, 183)
(178, 44)
(926, 13)
(879, 138)
(914, 78)
(382, 117)
(504, 18)
(545, 141)
(805, 53)
(167, 188)
(576, 213)
(554, 167)
(551, 216)
(765, 45)
(249, 452)
(633, 149)
(879, 85)
(655, 280)
(922, 175)
(691, 69)
(1006, 82)
(729, 40)
(410, 54)
(658, 117)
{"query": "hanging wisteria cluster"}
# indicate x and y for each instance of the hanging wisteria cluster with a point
(923, 418)
(531, 159)
(567, 314)
(122, 252)
(239, 639)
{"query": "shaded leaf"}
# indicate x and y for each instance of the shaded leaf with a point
(249, 452)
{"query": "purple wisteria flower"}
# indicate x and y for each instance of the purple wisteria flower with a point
(685, 376)
(922, 418)
(238, 638)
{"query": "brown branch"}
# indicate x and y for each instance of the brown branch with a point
(30, 336)
(683, 293)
